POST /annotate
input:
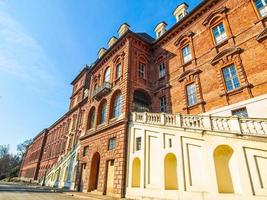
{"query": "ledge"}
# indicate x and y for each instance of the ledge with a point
(236, 91)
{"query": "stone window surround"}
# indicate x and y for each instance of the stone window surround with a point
(192, 77)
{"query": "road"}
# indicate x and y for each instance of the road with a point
(24, 192)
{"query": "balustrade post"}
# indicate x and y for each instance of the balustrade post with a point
(145, 117)
(162, 119)
(207, 122)
(235, 124)
(178, 120)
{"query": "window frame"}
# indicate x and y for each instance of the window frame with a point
(186, 45)
(257, 10)
(217, 24)
(138, 141)
(117, 106)
(118, 75)
(238, 110)
(113, 145)
(105, 75)
(189, 95)
(231, 76)
(162, 71)
(163, 104)
(142, 71)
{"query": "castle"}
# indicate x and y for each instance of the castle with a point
(179, 116)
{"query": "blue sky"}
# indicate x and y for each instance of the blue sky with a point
(45, 43)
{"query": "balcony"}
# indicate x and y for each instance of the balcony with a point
(101, 90)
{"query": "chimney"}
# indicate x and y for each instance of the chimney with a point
(101, 52)
(180, 11)
(112, 41)
(160, 29)
(123, 28)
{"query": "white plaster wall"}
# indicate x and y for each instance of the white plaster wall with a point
(256, 108)
(195, 164)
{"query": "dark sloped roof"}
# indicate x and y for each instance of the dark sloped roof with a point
(146, 37)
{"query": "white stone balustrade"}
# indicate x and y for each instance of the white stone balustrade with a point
(231, 124)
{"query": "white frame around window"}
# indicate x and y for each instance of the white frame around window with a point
(186, 53)
(162, 70)
(230, 77)
(220, 29)
(191, 94)
(141, 70)
(263, 9)
(117, 106)
(163, 104)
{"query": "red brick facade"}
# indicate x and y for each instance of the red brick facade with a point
(151, 75)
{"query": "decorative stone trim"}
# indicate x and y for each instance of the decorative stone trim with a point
(225, 53)
(262, 36)
(213, 14)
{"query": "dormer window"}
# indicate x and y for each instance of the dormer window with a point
(261, 6)
(219, 33)
(187, 56)
(160, 29)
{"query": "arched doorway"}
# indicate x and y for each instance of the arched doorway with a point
(136, 172)
(170, 172)
(94, 172)
(141, 101)
(222, 156)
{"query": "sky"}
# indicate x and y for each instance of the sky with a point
(44, 44)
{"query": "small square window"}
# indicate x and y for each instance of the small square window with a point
(112, 143)
(219, 33)
(85, 150)
(138, 144)
(241, 112)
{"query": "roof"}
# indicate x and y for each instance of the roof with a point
(86, 68)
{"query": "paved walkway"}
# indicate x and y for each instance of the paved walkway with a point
(24, 192)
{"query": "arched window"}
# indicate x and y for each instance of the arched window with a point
(118, 70)
(103, 112)
(222, 156)
(136, 172)
(107, 75)
(91, 119)
(170, 172)
(117, 105)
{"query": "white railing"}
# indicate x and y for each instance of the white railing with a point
(233, 124)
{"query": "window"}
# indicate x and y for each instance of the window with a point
(118, 71)
(241, 112)
(261, 6)
(141, 71)
(163, 104)
(91, 118)
(107, 75)
(103, 113)
(85, 150)
(112, 143)
(191, 94)
(170, 142)
(219, 33)
(162, 70)
(186, 54)
(230, 78)
(138, 144)
(117, 106)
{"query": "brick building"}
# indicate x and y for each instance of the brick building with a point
(211, 61)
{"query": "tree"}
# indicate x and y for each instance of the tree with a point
(21, 148)
(4, 149)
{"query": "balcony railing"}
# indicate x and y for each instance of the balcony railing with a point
(101, 90)
(233, 124)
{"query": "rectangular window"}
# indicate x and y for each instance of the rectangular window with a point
(261, 6)
(162, 70)
(163, 104)
(118, 70)
(186, 54)
(219, 33)
(138, 144)
(85, 150)
(191, 94)
(230, 78)
(241, 112)
(170, 142)
(112, 143)
(141, 71)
